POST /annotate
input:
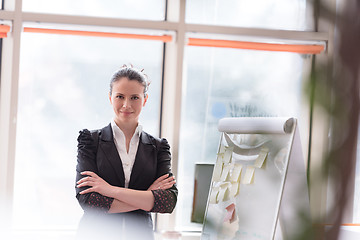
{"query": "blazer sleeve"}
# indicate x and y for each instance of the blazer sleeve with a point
(86, 161)
(165, 200)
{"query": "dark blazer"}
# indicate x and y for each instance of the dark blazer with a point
(97, 152)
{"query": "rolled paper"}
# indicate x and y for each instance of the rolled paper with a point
(236, 172)
(249, 175)
(261, 158)
(261, 125)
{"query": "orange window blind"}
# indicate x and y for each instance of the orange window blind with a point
(296, 48)
(163, 38)
(4, 29)
(343, 224)
(201, 42)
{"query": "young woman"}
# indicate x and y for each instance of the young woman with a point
(123, 173)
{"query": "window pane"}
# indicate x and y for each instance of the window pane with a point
(131, 9)
(276, 14)
(63, 88)
(230, 83)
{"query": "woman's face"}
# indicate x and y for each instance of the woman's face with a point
(127, 99)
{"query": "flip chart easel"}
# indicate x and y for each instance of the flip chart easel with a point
(258, 188)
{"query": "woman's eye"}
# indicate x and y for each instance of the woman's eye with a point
(120, 97)
(135, 98)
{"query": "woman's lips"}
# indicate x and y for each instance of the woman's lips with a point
(126, 113)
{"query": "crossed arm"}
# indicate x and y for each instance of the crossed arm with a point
(125, 199)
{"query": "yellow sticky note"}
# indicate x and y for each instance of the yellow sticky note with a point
(261, 158)
(234, 189)
(228, 154)
(221, 149)
(224, 193)
(225, 172)
(217, 171)
(249, 175)
(214, 195)
(236, 173)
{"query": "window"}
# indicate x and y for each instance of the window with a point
(140, 9)
(54, 85)
(63, 88)
(272, 14)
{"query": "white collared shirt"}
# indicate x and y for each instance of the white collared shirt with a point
(127, 158)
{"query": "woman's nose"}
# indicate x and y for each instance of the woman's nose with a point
(126, 103)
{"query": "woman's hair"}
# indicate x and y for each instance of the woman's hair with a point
(130, 73)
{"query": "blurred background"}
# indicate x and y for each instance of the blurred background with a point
(57, 58)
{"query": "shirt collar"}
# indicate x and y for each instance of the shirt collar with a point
(116, 128)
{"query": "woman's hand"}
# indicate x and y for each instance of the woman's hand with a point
(96, 184)
(163, 182)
